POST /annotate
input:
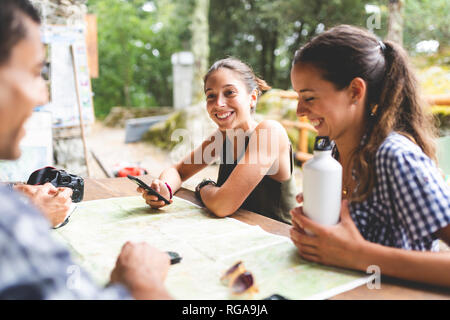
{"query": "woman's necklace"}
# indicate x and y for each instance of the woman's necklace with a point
(347, 185)
(344, 190)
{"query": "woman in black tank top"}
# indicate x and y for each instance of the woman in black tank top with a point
(256, 158)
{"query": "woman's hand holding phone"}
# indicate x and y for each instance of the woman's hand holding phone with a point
(160, 187)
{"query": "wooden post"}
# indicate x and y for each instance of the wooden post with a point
(92, 45)
(80, 111)
(439, 100)
(199, 47)
(395, 22)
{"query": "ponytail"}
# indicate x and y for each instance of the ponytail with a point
(393, 101)
(401, 109)
(262, 85)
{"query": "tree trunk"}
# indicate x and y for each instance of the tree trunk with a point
(273, 47)
(200, 47)
(395, 24)
(126, 70)
(263, 54)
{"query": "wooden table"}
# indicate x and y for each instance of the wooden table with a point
(390, 288)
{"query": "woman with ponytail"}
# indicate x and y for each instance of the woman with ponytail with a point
(256, 170)
(362, 93)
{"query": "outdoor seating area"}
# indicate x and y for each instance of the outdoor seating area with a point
(224, 154)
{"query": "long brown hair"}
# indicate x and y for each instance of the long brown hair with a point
(392, 103)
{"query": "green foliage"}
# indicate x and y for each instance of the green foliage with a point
(422, 20)
(135, 47)
(160, 134)
(425, 20)
(118, 116)
(265, 34)
(273, 106)
(434, 80)
(136, 44)
(442, 116)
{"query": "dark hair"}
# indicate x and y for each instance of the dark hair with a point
(12, 29)
(392, 103)
(246, 74)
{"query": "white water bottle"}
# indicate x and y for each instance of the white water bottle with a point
(322, 185)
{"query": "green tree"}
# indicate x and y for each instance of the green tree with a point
(200, 46)
(136, 40)
(426, 20)
(138, 37)
(395, 22)
(422, 20)
(265, 33)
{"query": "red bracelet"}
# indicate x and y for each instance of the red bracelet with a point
(170, 190)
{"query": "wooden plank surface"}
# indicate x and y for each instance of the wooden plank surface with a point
(92, 45)
(390, 288)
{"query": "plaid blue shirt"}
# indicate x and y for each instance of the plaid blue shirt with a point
(409, 202)
(33, 265)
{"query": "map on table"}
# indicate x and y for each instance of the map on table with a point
(208, 245)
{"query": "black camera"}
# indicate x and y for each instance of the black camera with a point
(59, 178)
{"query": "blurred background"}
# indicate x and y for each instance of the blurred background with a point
(137, 39)
(152, 55)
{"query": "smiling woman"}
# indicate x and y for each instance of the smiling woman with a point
(256, 158)
(362, 93)
(33, 265)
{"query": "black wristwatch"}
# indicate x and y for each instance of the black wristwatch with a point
(201, 185)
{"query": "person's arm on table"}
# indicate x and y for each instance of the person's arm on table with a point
(427, 267)
(342, 245)
(186, 168)
(225, 200)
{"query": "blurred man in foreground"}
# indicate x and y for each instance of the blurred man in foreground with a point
(32, 265)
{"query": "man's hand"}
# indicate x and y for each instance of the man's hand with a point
(142, 269)
(53, 202)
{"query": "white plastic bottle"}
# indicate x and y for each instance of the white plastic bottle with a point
(322, 184)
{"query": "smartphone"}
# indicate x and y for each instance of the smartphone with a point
(147, 188)
(174, 257)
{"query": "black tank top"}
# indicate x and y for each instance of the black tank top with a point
(269, 198)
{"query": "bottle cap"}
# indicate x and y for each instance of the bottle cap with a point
(323, 143)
